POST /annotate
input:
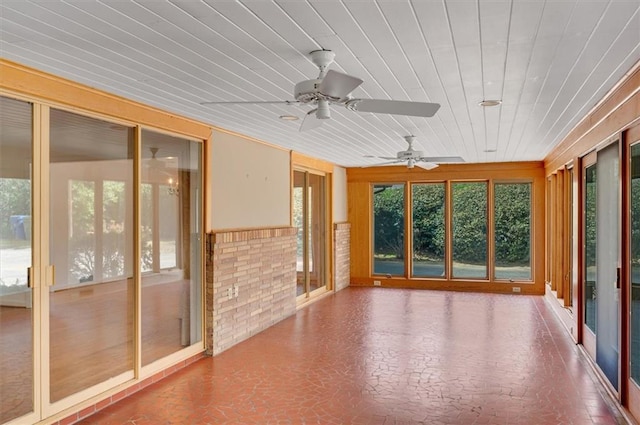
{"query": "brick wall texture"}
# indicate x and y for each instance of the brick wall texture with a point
(261, 264)
(341, 241)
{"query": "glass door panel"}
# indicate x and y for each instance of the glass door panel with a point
(590, 300)
(634, 238)
(608, 258)
(16, 307)
(171, 245)
(299, 203)
(316, 222)
(309, 217)
(91, 304)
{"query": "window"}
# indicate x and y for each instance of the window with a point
(431, 255)
(429, 230)
(388, 229)
(512, 230)
(469, 229)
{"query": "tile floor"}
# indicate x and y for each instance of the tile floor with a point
(387, 356)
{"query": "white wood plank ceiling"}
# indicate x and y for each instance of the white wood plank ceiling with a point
(548, 61)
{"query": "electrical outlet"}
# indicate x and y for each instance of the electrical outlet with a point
(377, 283)
(236, 291)
(229, 293)
(515, 288)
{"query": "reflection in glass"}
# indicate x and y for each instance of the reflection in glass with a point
(469, 230)
(590, 247)
(171, 244)
(309, 218)
(316, 223)
(512, 227)
(16, 322)
(388, 229)
(569, 295)
(634, 238)
(91, 247)
(429, 234)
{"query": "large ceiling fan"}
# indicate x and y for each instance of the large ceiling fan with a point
(332, 87)
(413, 157)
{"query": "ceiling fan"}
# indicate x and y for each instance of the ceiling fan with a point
(413, 157)
(333, 87)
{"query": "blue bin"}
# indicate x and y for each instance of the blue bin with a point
(17, 223)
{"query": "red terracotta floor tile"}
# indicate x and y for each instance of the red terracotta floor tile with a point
(389, 357)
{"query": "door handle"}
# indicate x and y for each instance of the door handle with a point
(50, 278)
(618, 277)
(29, 277)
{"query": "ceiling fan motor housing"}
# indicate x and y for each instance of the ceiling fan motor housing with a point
(410, 154)
(307, 91)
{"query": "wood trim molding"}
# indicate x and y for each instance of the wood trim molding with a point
(467, 172)
(309, 163)
(243, 235)
(40, 85)
(499, 287)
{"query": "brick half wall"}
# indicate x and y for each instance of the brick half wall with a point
(260, 264)
(342, 264)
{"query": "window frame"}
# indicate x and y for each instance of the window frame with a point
(448, 276)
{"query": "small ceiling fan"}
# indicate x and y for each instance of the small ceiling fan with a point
(413, 157)
(332, 87)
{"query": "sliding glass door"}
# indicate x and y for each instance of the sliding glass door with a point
(16, 253)
(634, 267)
(171, 245)
(608, 257)
(91, 297)
(101, 253)
(601, 260)
(310, 217)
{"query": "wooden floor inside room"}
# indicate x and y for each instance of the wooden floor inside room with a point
(387, 356)
(91, 333)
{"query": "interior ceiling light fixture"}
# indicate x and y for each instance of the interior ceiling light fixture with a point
(490, 102)
(288, 117)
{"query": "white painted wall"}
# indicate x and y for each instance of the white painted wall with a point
(250, 183)
(339, 194)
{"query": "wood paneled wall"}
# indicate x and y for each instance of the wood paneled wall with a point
(359, 183)
(617, 112)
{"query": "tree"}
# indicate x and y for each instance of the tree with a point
(512, 218)
(428, 220)
(388, 218)
(470, 222)
(15, 199)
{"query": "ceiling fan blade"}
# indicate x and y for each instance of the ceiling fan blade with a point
(253, 102)
(442, 159)
(426, 165)
(397, 161)
(338, 85)
(310, 121)
(394, 107)
(389, 157)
